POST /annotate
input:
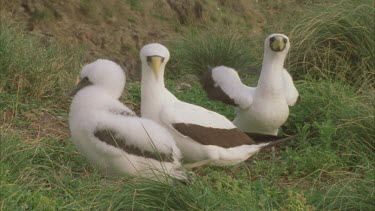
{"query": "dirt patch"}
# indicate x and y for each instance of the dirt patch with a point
(47, 125)
(117, 29)
(35, 125)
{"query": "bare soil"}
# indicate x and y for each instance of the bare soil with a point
(117, 29)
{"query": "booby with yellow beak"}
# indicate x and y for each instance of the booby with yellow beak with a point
(204, 137)
(262, 109)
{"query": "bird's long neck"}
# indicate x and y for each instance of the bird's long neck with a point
(152, 88)
(270, 81)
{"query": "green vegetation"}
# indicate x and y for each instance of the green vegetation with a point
(43, 15)
(135, 5)
(336, 42)
(212, 47)
(330, 166)
(30, 68)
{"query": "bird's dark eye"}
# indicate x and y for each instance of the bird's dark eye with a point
(272, 39)
(85, 79)
(149, 59)
(285, 40)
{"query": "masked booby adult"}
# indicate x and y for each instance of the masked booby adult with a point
(204, 137)
(111, 136)
(262, 109)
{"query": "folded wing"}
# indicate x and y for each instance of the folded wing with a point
(290, 90)
(203, 126)
(139, 137)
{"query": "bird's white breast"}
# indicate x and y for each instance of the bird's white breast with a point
(265, 115)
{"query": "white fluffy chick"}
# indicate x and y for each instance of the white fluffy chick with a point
(111, 136)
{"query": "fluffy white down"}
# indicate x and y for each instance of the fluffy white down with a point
(94, 108)
(106, 74)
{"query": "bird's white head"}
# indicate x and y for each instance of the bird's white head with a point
(104, 74)
(277, 44)
(154, 57)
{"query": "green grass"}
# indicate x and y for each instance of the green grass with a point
(330, 166)
(198, 49)
(330, 42)
(135, 5)
(30, 68)
(336, 42)
(43, 15)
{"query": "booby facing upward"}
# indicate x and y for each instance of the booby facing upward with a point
(262, 109)
(203, 136)
(109, 134)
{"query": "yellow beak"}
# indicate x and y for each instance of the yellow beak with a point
(277, 44)
(155, 64)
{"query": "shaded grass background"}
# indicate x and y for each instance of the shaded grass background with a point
(200, 48)
(336, 42)
(330, 166)
(332, 41)
(35, 68)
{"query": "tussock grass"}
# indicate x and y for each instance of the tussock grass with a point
(330, 166)
(51, 175)
(29, 68)
(330, 42)
(332, 117)
(336, 42)
(197, 50)
(332, 159)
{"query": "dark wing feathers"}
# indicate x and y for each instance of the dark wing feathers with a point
(262, 138)
(215, 92)
(279, 141)
(226, 138)
(109, 137)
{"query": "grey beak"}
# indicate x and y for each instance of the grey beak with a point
(82, 84)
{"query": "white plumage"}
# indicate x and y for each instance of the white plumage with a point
(203, 136)
(265, 108)
(109, 134)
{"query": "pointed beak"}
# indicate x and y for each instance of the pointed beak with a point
(154, 62)
(79, 85)
(278, 43)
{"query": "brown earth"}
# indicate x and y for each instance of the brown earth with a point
(117, 29)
